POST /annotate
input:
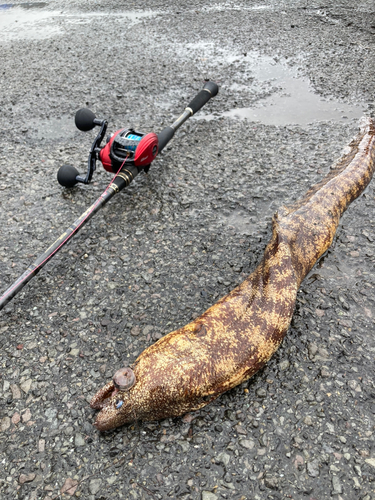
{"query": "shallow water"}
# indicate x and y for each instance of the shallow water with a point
(26, 22)
(133, 17)
(31, 21)
(292, 99)
(26, 5)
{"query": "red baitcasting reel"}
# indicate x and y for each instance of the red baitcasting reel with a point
(127, 149)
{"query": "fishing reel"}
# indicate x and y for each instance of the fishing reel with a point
(127, 151)
(126, 147)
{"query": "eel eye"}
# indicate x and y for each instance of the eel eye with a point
(119, 403)
(124, 379)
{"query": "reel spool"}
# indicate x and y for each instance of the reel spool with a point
(127, 146)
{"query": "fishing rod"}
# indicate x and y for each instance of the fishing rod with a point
(126, 153)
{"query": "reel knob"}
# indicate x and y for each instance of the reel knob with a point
(67, 176)
(85, 119)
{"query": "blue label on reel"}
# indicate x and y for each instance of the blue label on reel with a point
(133, 137)
(132, 146)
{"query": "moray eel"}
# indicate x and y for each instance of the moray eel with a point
(233, 339)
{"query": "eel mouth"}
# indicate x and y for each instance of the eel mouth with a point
(100, 426)
(103, 396)
(115, 408)
(113, 401)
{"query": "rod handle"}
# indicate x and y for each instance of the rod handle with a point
(164, 137)
(209, 90)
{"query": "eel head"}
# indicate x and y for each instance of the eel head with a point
(114, 401)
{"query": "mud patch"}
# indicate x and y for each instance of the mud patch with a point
(240, 221)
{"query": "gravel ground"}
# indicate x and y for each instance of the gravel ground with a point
(180, 238)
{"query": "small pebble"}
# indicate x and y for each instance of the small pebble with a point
(16, 418)
(26, 478)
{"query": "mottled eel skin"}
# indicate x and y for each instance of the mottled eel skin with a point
(232, 340)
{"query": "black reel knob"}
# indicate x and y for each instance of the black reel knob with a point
(85, 119)
(67, 176)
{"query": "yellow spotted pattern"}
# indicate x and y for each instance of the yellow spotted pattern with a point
(234, 338)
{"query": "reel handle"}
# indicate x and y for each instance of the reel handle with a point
(209, 90)
(68, 176)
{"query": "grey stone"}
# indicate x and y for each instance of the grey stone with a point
(247, 443)
(261, 392)
(5, 424)
(313, 468)
(148, 329)
(337, 488)
(358, 470)
(94, 485)
(207, 495)
(308, 420)
(51, 413)
(79, 440)
(357, 484)
(313, 349)
(284, 365)
(26, 385)
(223, 458)
(15, 391)
(271, 482)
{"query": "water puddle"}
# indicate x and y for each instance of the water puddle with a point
(31, 21)
(221, 7)
(247, 222)
(240, 221)
(243, 222)
(54, 128)
(133, 17)
(26, 21)
(291, 101)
